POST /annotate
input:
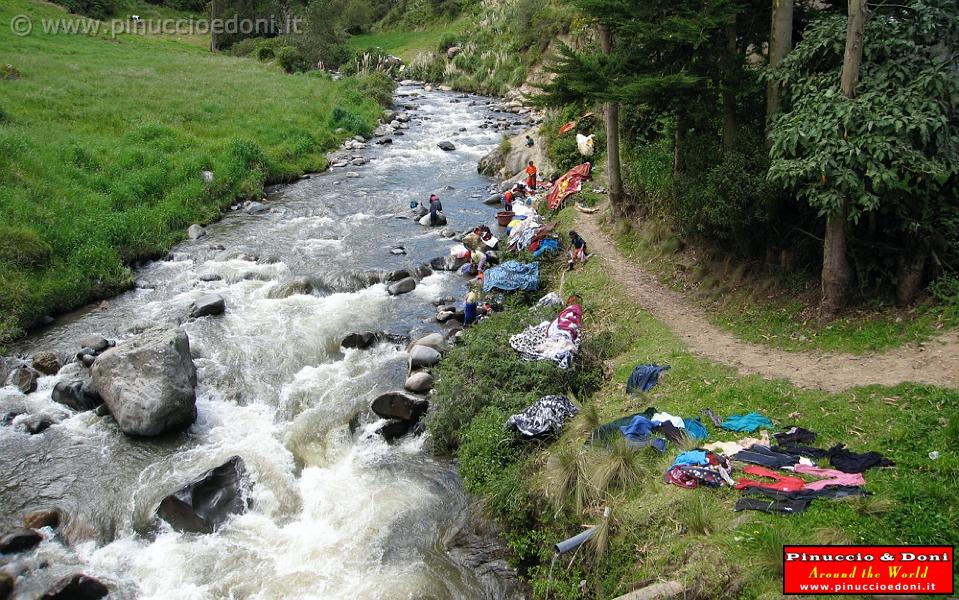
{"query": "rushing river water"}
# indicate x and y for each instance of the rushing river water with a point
(336, 514)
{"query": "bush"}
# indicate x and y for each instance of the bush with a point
(246, 47)
(95, 9)
(22, 248)
(292, 60)
(446, 42)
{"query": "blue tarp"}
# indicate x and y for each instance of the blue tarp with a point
(512, 275)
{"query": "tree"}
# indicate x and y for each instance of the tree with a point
(611, 113)
(870, 130)
(780, 42)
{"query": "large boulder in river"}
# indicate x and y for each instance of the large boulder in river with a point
(211, 304)
(402, 286)
(46, 362)
(24, 379)
(18, 540)
(149, 383)
(419, 382)
(397, 405)
(360, 340)
(423, 356)
(207, 502)
(76, 587)
(432, 340)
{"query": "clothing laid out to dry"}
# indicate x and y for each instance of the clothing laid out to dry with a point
(547, 415)
(782, 483)
(850, 462)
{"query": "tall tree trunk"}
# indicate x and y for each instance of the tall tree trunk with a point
(213, 45)
(780, 43)
(836, 272)
(679, 147)
(611, 112)
(728, 86)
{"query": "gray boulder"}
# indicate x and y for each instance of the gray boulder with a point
(46, 362)
(211, 304)
(18, 540)
(96, 343)
(76, 587)
(24, 379)
(195, 231)
(402, 286)
(432, 340)
(256, 208)
(447, 146)
(397, 405)
(423, 356)
(206, 503)
(360, 340)
(419, 382)
(149, 383)
(76, 394)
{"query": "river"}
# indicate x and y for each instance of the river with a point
(336, 514)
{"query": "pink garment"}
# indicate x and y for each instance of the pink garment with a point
(570, 320)
(832, 477)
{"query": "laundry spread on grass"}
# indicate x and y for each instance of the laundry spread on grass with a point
(567, 185)
(644, 378)
(547, 415)
(512, 275)
(557, 340)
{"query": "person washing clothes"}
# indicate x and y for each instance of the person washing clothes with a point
(531, 173)
(508, 199)
(470, 307)
(577, 250)
(435, 207)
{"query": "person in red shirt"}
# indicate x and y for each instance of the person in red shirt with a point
(531, 172)
(508, 200)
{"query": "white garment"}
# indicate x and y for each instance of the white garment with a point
(584, 144)
(662, 417)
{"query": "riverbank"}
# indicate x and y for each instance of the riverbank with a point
(108, 157)
(545, 491)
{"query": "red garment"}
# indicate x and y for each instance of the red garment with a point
(568, 184)
(570, 320)
(782, 483)
(531, 177)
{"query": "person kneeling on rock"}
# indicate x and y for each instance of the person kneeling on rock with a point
(436, 207)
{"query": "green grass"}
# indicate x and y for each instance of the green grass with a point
(103, 142)
(659, 531)
(407, 44)
(779, 310)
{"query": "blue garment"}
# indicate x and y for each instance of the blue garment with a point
(469, 313)
(695, 429)
(659, 444)
(512, 275)
(748, 423)
(691, 457)
(640, 426)
(644, 378)
(547, 245)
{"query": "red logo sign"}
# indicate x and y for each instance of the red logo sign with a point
(867, 570)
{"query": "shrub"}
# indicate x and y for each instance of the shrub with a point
(246, 47)
(447, 41)
(292, 60)
(95, 9)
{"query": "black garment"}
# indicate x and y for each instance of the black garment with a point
(709, 414)
(795, 434)
(671, 433)
(787, 507)
(831, 492)
(763, 455)
(577, 242)
(801, 450)
(850, 462)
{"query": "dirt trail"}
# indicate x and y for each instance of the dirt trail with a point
(935, 363)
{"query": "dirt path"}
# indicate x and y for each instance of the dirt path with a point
(935, 363)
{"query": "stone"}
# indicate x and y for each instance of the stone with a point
(210, 277)
(256, 208)
(95, 343)
(447, 146)
(46, 362)
(209, 305)
(398, 405)
(398, 251)
(18, 540)
(207, 502)
(39, 519)
(444, 315)
(384, 141)
(423, 356)
(394, 429)
(87, 360)
(76, 394)
(402, 286)
(76, 587)
(36, 424)
(419, 382)
(358, 162)
(195, 231)
(149, 382)
(397, 275)
(24, 379)
(360, 340)
(6, 585)
(432, 340)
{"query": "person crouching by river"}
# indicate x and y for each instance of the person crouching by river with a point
(577, 250)
(436, 207)
(470, 308)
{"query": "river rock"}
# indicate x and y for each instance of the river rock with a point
(76, 394)
(402, 286)
(211, 304)
(46, 362)
(398, 251)
(207, 277)
(206, 503)
(6, 585)
(360, 340)
(195, 231)
(397, 275)
(87, 360)
(444, 315)
(18, 540)
(358, 162)
(38, 519)
(419, 382)
(447, 146)
(397, 405)
(96, 343)
(423, 356)
(149, 382)
(432, 340)
(394, 429)
(77, 587)
(256, 208)
(24, 379)
(35, 424)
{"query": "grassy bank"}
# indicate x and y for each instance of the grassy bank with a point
(103, 143)
(545, 491)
